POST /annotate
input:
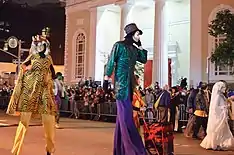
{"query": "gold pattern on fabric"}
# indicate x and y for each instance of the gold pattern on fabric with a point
(34, 88)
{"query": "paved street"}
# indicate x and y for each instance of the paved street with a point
(79, 137)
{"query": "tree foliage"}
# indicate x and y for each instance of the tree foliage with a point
(223, 25)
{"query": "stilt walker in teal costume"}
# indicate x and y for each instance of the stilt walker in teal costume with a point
(124, 55)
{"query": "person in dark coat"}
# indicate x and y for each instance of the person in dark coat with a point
(174, 107)
(164, 103)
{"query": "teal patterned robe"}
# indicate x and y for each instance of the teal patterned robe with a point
(122, 61)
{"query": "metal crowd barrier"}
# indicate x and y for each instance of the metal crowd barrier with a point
(105, 109)
(109, 109)
(184, 115)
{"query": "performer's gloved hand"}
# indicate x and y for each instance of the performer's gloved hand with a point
(105, 85)
(139, 43)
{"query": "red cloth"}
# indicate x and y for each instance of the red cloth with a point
(158, 132)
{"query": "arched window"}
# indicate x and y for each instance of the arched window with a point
(218, 72)
(80, 56)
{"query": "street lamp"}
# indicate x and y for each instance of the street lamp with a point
(5, 48)
(13, 42)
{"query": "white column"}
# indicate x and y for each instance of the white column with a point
(196, 42)
(90, 70)
(160, 58)
(164, 39)
(125, 8)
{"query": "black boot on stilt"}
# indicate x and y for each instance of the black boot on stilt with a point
(48, 153)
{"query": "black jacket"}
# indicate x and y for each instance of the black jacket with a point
(202, 101)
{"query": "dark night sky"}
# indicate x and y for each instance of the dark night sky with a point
(35, 2)
(27, 20)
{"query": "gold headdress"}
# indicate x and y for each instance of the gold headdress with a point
(39, 41)
(46, 32)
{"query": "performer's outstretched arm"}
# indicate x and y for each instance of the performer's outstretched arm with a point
(26, 64)
(112, 60)
(52, 71)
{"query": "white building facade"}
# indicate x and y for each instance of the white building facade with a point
(175, 32)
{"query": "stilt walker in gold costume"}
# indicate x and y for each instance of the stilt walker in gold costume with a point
(33, 94)
(138, 104)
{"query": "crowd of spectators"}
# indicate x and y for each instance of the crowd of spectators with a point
(6, 90)
(89, 95)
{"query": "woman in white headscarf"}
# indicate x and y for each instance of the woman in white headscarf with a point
(219, 136)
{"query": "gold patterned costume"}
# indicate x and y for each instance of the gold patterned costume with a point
(33, 91)
(137, 104)
(33, 94)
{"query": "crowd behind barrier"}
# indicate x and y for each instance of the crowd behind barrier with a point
(109, 109)
(89, 101)
(4, 100)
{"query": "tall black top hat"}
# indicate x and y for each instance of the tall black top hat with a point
(130, 28)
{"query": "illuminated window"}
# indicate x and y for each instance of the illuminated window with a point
(220, 70)
(80, 56)
(217, 72)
